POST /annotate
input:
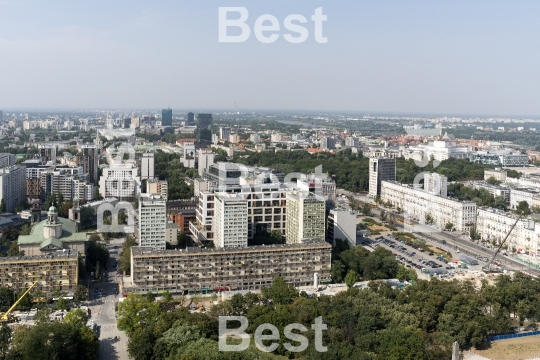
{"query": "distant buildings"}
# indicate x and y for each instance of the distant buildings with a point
(204, 127)
(498, 174)
(305, 217)
(327, 143)
(166, 117)
(206, 159)
(47, 154)
(436, 184)
(89, 160)
(190, 119)
(380, 169)
(152, 222)
(7, 159)
(224, 133)
(351, 142)
(502, 158)
(147, 166)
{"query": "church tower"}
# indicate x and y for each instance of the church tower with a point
(36, 212)
(75, 213)
(53, 227)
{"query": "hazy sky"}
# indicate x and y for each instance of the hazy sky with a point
(455, 57)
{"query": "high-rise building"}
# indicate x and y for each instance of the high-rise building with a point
(380, 169)
(1, 116)
(153, 222)
(305, 217)
(341, 225)
(204, 127)
(12, 186)
(436, 184)
(327, 143)
(190, 119)
(120, 181)
(206, 158)
(166, 117)
(89, 160)
(147, 166)
(47, 154)
(230, 223)
(7, 159)
(224, 133)
(155, 186)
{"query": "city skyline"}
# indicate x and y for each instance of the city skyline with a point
(408, 58)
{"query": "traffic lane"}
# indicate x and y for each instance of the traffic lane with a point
(473, 249)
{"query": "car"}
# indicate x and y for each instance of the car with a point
(431, 254)
(444, 242)
(413, 253)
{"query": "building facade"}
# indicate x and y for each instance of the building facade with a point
(247, 268)
(120, 181)
(425, 208)
(380, 169)
(147, 166)
(89, 160)
(305, 217)
(152, 222)
(12, 186)
(166, 117)
(230, 222)
(341, 225)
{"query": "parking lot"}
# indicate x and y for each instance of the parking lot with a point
(411, 257)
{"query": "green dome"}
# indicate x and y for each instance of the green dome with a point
(52, 210)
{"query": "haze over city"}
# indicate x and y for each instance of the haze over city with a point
(464, 57)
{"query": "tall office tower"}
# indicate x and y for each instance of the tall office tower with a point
(327, 143)
(436, 184)
(224, 133)
(166, 117)
(380, 169)
(305, 217)
(47, 153)
(147, 166)
(190, 119)
(230, 223)
(206, 158)
(1, 116)
(12, 186)
(127, 123)
(7, 159)
(204, 127)
(89, 160)
(152, 221)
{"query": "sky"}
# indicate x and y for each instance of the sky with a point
(440, 57)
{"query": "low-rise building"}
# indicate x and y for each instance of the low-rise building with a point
(248, 268)
(426, 208)
(497, 173)
(55, 272)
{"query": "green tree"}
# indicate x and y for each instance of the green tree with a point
(351, 278)
(449, 226)
(124, 260)
(14, 249)
(77, 318)
(62, 303)
(337, 271)
(523, 208)
(25, 230)
(492, 181)
(5, 339)
(280, 293)
(81, 294)
(384, 215)
(42, 316)
(366, 209)
(7, 298)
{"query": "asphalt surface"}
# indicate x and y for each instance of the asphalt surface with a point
(113, 342)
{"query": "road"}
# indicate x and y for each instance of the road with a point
(465, 246)
(113, 342)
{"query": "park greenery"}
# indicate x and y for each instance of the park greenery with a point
(481, 197)
(169, 167)
(351, 170)
(420, 321)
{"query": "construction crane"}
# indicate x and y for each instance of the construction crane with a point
(489, 266)
(5, 316)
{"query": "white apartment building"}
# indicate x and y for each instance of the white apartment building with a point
(436, 184)
(417, 204)
(254, 138)
(12, 186)
(319, 184)
(530, 195)
(351, 142)
(147, 166)
(206, 158)
(276, 137)
(440, 150)
(171, 235)
(493, 226)
(159, 187)
(120, 181)
(224, 133)
(305, 217)
(152, 221)
(380, 169)
(498, 173)
(342, 225)
(230, 223)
